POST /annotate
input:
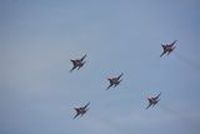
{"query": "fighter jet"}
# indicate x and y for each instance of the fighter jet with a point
(168, 48)
(114, 81)
(153, 100)
(81, 110)
(78, 63)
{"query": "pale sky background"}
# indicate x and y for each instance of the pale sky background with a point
(39, 37)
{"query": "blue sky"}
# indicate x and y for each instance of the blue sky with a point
(38, 38)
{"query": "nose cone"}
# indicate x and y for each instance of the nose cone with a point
(109, 79)
(149, 98)
(76, 109)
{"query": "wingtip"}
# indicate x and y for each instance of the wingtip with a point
(161, 55)
(160, 94)
(71, 70)
(85, 55)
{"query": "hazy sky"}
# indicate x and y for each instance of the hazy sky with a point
(39, 37)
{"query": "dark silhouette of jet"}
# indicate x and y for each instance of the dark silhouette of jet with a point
(81, 110)
(153, 100)
(78, 63)
(168, 48)
(114, 81)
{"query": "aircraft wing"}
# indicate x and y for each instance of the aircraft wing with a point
(149, 105)
(173, 43)
(81, 65)
(120, 76)
(163, 46)
(74, 62)
(162, 53)
(111, 84)
(72, 68)
(86, 105)
(77, 114)
(83, 57)
(158, 96)
(118, 83)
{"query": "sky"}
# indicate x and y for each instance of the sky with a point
(38, 93)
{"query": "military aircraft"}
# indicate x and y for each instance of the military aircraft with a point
(168, 48)
(153, 100)
(81, 110)
(78, 63)
(114, 81)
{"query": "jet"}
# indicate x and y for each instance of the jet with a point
(81, 110)
(168, 48)
(78, 63)
(114, 81)
(153, 100)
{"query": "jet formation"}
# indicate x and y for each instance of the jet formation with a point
(168, 48)
(153, 100)
(78, 63)
(114, 81)
(81, 110)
